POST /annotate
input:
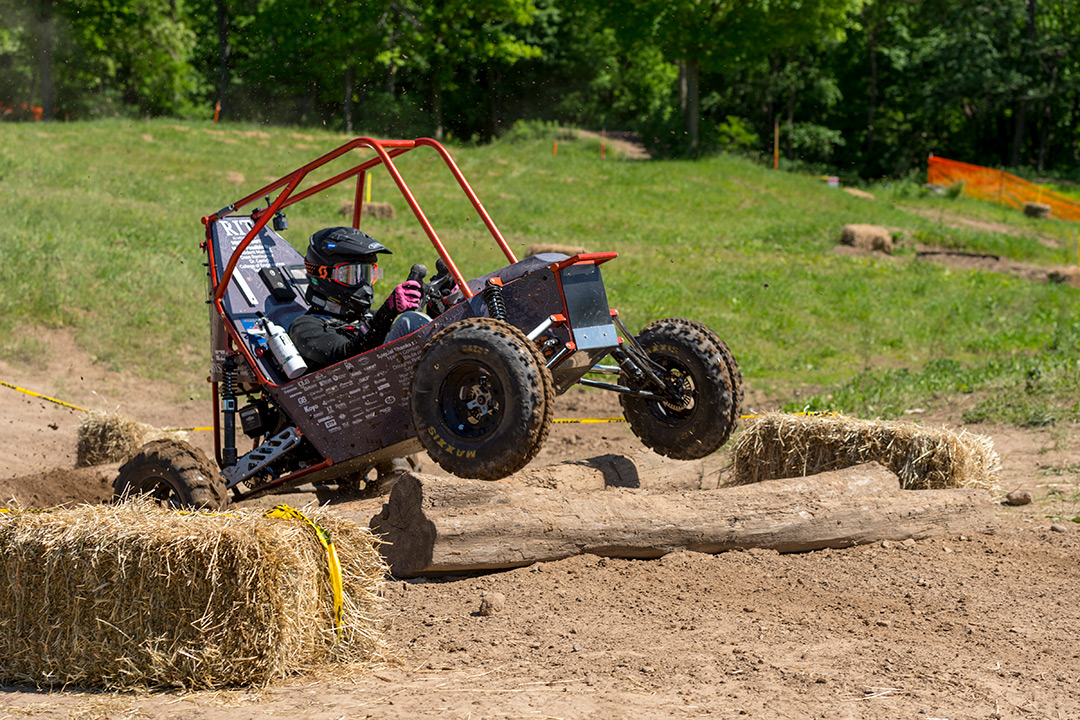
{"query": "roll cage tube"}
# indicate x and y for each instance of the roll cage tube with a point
(383, 157)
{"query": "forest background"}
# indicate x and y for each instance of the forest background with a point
(867, 88)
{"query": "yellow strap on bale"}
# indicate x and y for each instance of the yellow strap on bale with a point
(284, 511)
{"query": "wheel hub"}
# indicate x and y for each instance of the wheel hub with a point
(476, 405)
(681, 391)
(478, 399)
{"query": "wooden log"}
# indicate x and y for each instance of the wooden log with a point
(441, 526)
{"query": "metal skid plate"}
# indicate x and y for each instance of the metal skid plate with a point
(260, 457)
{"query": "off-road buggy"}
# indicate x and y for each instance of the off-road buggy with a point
(475, 387)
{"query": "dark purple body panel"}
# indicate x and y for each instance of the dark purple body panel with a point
(356, 408)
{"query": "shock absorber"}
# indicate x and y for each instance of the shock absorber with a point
(629, 367)
(228, 406)
(493, 298)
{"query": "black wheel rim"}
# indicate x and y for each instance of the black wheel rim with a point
(164, 493)
(680, 380)
(473, 400)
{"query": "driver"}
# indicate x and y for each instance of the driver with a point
(341, 268)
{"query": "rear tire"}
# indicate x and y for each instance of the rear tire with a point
(173, 473)
(696, 359)
(482, 399)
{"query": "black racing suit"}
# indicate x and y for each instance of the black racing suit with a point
(323, 339)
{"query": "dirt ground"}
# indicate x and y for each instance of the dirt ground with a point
(953, 627)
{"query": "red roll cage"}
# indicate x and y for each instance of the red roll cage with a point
(385, 151)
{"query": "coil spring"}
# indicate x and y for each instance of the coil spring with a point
(493, 298)
(228, 382)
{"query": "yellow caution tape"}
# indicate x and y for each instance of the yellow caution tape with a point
(31, 393)
(284, 511)
(589, 420)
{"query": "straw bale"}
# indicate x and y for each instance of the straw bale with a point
(784, 446)
(1037, 210)
(105, 437)
(867, 237)
(132, 596)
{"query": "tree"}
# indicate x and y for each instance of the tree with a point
(441, 37)
(719, 36)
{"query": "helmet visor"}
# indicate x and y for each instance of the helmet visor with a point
(354, 273)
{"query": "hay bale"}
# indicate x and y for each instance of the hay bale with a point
(542, 248)
(867, 237)
(383, 211)
(1037, 210)
(105, 437)
(131, 596)
(785, 446)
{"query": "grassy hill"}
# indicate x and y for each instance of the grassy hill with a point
(100, 232)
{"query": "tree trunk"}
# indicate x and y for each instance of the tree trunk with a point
(46, 43)
(1021, 114)
(873, 95)
(439, 526)
(347, 105)
(791, 123)
(1018, 134)
(224, 52)
(491, 76)
(690, 100)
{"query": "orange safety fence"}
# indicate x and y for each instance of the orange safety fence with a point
(999, 186)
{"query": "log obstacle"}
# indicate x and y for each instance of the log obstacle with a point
(436, 526)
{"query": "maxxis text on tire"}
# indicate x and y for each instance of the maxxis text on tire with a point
(704, 365)
(482, 399)
(175, 474)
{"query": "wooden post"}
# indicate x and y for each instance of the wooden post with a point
(776, 146)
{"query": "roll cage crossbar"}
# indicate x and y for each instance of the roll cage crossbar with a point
(385, 151)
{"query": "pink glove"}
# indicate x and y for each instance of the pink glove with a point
(405, 296)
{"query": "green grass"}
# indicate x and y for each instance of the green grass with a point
(101, 234)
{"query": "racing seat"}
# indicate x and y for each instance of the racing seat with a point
(269, 279)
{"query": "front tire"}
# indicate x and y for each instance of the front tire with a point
(701, 365)
(173, 473)
(482, 399)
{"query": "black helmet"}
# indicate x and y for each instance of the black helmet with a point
(341, 266)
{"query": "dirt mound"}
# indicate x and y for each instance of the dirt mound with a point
(59, 486)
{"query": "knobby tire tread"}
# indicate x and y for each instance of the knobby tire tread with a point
(536, 378)
(198, 479)
(709, 431)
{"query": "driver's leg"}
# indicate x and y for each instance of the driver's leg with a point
(407, 322)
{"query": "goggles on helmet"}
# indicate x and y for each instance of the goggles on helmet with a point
(349, 273)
